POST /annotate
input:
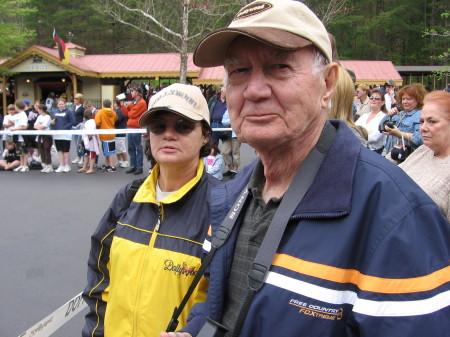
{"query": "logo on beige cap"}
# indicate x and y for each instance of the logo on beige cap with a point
(178, 93)
(252, 9)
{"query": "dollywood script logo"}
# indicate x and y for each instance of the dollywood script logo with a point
(179, 269)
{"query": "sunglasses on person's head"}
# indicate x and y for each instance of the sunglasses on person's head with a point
(375, 98)
(181, 126)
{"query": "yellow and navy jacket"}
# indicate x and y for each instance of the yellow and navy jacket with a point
(365, 253)
(144, 257)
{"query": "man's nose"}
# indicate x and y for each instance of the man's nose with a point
(257, 86)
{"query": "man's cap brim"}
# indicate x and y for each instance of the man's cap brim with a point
(212, 50)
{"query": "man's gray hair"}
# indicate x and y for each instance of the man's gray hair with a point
(319, 63)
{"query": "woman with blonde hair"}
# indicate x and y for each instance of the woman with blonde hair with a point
(363, 102)
(342, 105)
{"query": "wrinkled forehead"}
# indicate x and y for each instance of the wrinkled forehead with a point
(243, 47)
(436, 107)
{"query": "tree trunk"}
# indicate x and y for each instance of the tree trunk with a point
(379, 10)
(184, 43)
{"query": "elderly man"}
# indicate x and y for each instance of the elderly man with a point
(363, 251)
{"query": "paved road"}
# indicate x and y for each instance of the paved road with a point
(46, 223)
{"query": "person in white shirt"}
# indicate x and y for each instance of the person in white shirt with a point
(91, 144)
(20, 120)
(389, 97)
(8, 123)
(50, 102)
(45, 142)
(371, 121)
(213, 162)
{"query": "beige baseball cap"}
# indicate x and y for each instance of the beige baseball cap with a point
(182, 99)
(286, 24)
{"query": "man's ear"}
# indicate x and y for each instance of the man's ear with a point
(330, 74)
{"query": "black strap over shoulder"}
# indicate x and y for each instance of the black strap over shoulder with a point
(219, 239)
(132, 190)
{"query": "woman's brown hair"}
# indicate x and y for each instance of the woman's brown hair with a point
(415, 90)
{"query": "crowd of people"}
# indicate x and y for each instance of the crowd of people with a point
(386, 119)
(82, 115)
(341, 227)
(56, 114)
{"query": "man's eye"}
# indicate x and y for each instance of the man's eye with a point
(238, 70)
(280, 66)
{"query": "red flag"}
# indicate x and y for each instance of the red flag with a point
(63, 52)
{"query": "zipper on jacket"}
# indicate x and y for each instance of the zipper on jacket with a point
(157, 226)
(158, 223)
(139, 286)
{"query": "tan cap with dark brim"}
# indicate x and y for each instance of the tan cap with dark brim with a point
(182, 99)
(285, 24)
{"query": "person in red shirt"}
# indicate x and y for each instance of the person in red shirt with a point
(134, 111)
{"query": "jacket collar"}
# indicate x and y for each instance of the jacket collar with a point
(147, 192)
(331, 193)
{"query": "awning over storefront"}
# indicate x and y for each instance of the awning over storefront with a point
(212, 76)
(36, 58)
(373, 72)
(162, 65)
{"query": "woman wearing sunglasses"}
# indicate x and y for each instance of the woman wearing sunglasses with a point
(371, 121)
(146, 253)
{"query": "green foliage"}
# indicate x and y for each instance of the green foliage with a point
(404, 31)
(438, 36)
(392, 30)
(14, 34)
(6, 72)
(97, 33)
(162, 21)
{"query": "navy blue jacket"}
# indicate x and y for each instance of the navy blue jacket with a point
(366, 253)
(64, 120)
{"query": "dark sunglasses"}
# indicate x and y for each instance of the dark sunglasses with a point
(182, 126)
(375, 98)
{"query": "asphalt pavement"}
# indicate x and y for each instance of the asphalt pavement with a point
(46, 222)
